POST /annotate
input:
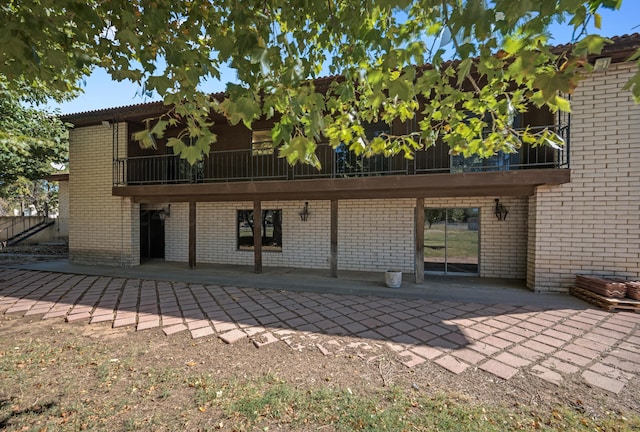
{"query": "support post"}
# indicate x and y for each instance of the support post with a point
(257, 236)
(333, 258)
(419, 236)
(192, 234)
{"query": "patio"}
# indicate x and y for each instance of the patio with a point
(510, 331)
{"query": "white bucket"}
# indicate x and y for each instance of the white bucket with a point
(393, 278)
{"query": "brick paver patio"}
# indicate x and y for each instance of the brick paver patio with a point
(602, 348)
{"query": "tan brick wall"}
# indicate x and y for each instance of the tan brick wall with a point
(376, 235)
(591, 225)
(176, 233)
(103, 229)
(63, 199)
(532, 241)
(305, 244)
(62, 222)
(373, 235)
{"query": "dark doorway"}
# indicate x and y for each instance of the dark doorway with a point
(151, 235)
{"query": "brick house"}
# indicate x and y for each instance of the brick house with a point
(570, 211)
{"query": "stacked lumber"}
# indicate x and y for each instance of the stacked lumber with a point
(603, 287)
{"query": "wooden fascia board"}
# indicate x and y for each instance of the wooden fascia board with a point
(57, 177)
(503, 183)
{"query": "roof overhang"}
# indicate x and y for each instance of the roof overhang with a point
(57, 177)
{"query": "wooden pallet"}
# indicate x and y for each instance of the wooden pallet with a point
(607, 303)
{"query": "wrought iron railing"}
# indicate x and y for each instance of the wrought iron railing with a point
(242, 165)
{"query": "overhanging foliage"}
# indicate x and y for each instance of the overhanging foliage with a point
(488, 60)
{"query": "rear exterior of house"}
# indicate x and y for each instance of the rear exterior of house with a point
(570, 211)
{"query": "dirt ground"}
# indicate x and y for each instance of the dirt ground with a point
(25, 253)
(56, 375)
(96, 377)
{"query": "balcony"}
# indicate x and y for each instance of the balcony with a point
(241, 174)
(243, 166)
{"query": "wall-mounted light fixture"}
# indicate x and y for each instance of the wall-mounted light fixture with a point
(602, 64)
(165, 212)
(501, 211)
(304, 213)
(106, 123)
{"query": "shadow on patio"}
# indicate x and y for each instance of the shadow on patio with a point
(470, 318)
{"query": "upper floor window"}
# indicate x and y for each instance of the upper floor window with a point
(261, 143)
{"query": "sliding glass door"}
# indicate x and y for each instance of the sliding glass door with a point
(451, 240)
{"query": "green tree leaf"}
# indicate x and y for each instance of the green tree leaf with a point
(32, 144)
(173, 47)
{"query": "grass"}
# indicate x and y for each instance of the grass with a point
(62, 380)
(270, 401)
(461, 242)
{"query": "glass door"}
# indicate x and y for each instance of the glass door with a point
(451, 240)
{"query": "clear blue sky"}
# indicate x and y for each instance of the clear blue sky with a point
(101, 92)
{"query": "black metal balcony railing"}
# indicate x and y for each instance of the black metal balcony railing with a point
(241, 165)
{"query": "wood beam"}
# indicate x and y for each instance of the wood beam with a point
(257, 236)
(333, 258)
(192, 234)
(502, 183)
(520, 191)
(419, 236)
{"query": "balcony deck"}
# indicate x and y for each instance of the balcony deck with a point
(242, 175)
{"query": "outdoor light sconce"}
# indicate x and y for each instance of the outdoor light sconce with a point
(106, 123)
(165, 212)
(501, 211)
(304, 213)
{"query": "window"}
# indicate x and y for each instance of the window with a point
(349, 164)
(500, 161)
(261, 143)
(271, 222)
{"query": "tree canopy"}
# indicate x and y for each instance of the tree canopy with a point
(460, 68)
(31, 140)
